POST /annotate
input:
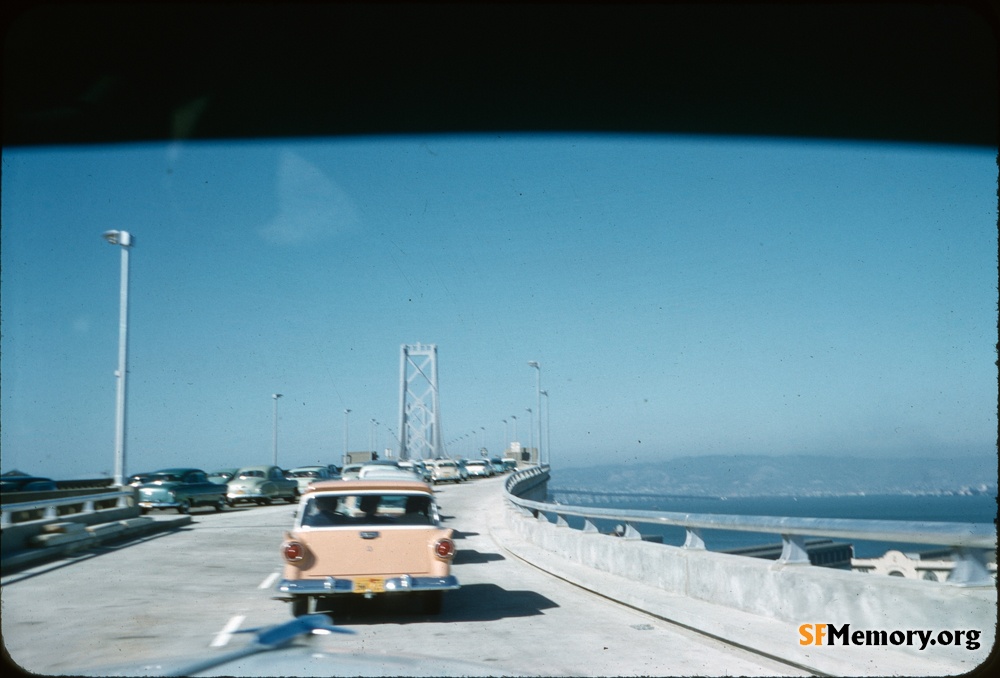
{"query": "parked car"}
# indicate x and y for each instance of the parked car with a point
(478, 468)
(369, 538)
(419, 467)
(304, 475)
(389, 471)
(19, 483)
(224, 476)
(425, 470)
(499, 468)
(262, 485)
(444, 471)
(350, 472)
(510, 464)
(181, 489)
(462, 471)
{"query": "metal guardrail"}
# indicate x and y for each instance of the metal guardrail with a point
(23, 513)
(973, 541)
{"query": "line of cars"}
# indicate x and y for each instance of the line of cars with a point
(182, 489)
(364, 531)
(436, 471)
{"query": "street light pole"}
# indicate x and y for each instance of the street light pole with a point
(548, 429)
(275, 396)
(538, 395)
(531, 432)
(124, 239)
(347, 422)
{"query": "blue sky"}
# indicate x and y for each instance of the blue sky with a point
(683, 296)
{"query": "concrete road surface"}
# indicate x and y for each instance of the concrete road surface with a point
(181, 594)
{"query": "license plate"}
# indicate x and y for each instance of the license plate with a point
(369, 585)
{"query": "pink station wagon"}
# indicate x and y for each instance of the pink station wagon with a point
(368, 538)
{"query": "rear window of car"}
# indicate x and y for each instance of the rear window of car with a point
(332, 510)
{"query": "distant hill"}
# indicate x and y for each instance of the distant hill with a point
(799, 475)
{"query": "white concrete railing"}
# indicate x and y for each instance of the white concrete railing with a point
(764, 605)
(974, 542)
(48, 509)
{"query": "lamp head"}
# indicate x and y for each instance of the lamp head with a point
(534, 363)
(123, 238)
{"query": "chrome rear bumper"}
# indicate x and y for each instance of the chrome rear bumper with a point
(331, 586)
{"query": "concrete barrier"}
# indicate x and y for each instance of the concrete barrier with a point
(62, 522)
(763, 605)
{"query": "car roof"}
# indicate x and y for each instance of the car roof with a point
(310, 468)
(387, 472)
(367, 486)
(173, 470)
(265, 467)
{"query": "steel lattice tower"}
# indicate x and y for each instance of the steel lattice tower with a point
(419, 407)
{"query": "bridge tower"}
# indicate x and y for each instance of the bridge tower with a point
(419, 407)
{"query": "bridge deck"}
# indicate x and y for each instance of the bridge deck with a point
(174, 594)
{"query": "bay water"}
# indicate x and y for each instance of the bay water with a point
(952, 508)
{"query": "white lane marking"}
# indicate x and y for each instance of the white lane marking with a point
(227, 631)
(269, 581)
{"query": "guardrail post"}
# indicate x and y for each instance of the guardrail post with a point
(560, 521)
(693, 539)
(524, 512)
(631, 533)
(970, 568)
(589, 527)
(793, 550)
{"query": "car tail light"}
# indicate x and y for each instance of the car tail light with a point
(293, 551)
(444, 548)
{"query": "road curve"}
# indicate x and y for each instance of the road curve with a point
(182, 595)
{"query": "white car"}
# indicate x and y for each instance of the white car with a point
(479, 468)
(386, 470)
(444, 470)
(350, 472)
(304, 475)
